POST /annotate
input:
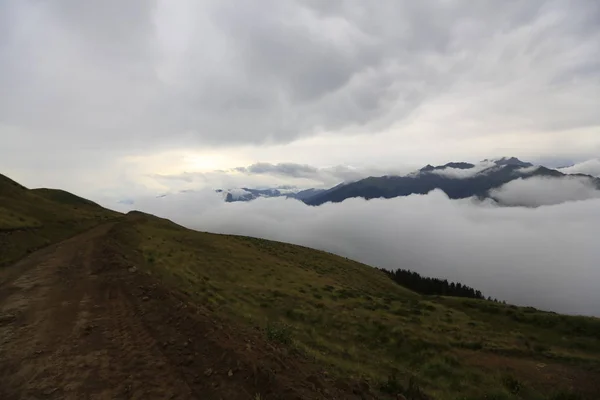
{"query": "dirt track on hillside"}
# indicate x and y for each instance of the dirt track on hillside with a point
(75, 324)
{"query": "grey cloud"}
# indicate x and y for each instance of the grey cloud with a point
(113, 74)
(539, 191)
(75, 73)
(545, 257)
(589, 167)
(335, 174)
(303, 59)
(261, 175)
(115, 28)
(287, 169)
(458, 173)
(184, 177)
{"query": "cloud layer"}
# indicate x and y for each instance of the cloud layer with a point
(267, 175)
(459, 173)
(541, 191)
(544, 257)
(589, 167)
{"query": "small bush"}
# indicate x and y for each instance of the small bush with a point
(279, 332)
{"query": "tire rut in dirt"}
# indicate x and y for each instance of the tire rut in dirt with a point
(137, 364)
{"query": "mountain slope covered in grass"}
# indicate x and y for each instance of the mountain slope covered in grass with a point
(33, 218)
(363, 331)
(357, 323)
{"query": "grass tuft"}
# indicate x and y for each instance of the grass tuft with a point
(279, 332)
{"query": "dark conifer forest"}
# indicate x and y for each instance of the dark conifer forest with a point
(431, 286)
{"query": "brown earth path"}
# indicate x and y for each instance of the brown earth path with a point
(60, 338)
(75, 326)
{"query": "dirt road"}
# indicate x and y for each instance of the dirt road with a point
(72, 327)
(66, 334)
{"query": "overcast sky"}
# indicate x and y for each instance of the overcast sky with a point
(106, 98)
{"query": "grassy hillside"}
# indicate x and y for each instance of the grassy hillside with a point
(30, 219)
(349, 318)
(63, 197)
(358, 323)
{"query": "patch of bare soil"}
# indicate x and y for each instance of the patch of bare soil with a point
(76, 322)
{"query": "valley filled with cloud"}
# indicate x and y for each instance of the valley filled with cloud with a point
(544, 256)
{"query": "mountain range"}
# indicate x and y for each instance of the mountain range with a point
(457, 179)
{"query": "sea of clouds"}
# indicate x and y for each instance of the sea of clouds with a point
(546, 255)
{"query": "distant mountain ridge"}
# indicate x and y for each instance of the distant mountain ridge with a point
(458, 165)
(457, 179)
(248, 194)
(511, 161)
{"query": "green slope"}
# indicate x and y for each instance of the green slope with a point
(63, 197)
(357, 323)
(30, 219)
(348, 317)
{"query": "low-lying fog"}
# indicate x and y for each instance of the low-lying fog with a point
(547, 257)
